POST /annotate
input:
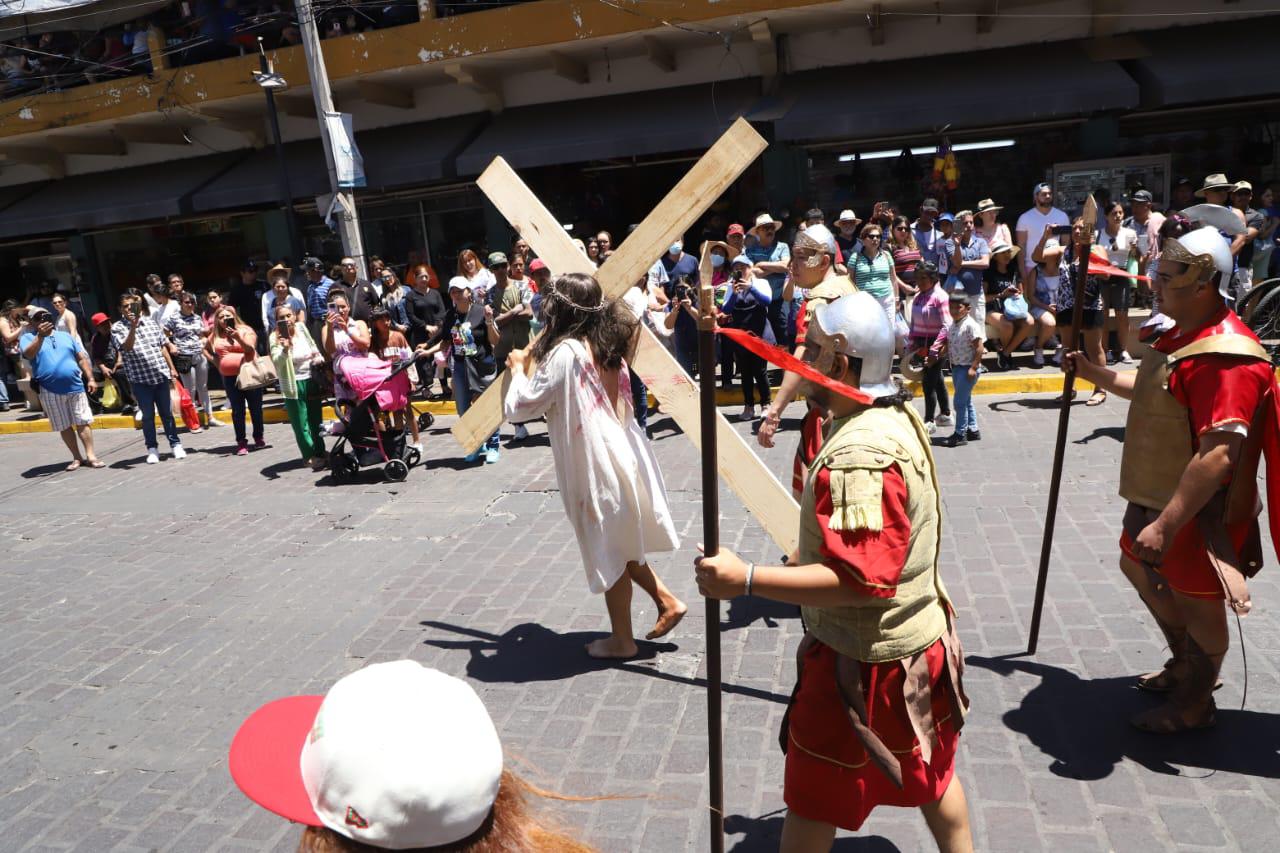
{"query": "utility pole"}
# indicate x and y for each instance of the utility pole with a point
(345, 204)
(270, 81)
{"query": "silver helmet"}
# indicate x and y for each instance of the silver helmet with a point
(1204, 251)
(856, 325)
(817, 237)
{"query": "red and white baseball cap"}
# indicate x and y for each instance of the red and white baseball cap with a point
(396, 756)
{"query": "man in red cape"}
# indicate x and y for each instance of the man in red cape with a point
(876, 713)
(1205, 407)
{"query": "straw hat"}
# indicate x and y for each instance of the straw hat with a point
(764, 219)
(1216, 181)
(987, 204)
(279, 270)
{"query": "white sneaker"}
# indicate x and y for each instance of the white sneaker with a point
(944, 421)
(521, 433)
(416, 445)
(214, 422)
(1125, 358)
(178, 452)
(152, 456)
(1038, 358)
(929, 427)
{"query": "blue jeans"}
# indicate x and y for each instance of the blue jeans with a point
(462, 395)
(153, 399)
(966, 417)
(639, 399)
(4, 379)
(237, 399)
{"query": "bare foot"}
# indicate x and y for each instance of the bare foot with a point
(667, 619)
(610, 648)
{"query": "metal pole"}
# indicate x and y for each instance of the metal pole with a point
(348, 219)
(1064, 416)
(711, 545)
(286, 195)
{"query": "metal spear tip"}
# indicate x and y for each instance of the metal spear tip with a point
(1090, 213)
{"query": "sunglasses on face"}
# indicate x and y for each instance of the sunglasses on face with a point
(870, 236)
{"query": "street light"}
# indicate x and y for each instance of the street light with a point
(271, 82)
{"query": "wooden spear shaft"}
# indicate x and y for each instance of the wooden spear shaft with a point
(711, 546)
(1064, 417)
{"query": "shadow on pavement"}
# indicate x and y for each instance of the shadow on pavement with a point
(1115, 433)
(1031, 403)
(745, 610)
(273, 472)
(1083, 726)
(764, 833)
(531, 652)
(45, 470)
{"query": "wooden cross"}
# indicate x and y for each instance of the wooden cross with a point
(745, 473)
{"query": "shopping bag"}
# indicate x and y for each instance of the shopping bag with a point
(186, 408)
(109, 397)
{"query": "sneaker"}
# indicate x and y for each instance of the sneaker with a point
(1057, 357)
(944, 421)
(472, 457)
(972, 435)
(520, 435)
(242, 450)
(196, 430)
(954, 440)
(259, 443)
(491, 456)
(748, 413)
(1038, 358)
(178, 452)
(930, 427)
(416, 445)
(214, 422)
(1125, 358)
(137, 418)
(152, 456)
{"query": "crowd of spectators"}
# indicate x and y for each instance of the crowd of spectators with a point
(967, 292)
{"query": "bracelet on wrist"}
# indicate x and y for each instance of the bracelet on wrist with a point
(751, 571)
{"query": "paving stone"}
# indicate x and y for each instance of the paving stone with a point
(149, 609)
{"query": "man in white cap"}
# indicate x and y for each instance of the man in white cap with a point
(1242, 245)
(813, 273)
(878, 706)
(771, 257)
(1205, 406)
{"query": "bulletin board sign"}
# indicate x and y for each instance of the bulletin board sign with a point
(1073, 181)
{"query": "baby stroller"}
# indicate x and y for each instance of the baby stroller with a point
(360, 443)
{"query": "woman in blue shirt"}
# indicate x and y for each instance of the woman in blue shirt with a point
(747, 307)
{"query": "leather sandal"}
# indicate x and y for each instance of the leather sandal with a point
(1168, 720)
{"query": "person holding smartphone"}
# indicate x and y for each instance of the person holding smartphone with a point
(144, 350)
(295, 355)
(230, 342)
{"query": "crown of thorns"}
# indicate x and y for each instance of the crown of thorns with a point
(556, 293)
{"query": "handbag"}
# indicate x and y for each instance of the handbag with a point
(256, 374)
(1015, 307)
(186, 408)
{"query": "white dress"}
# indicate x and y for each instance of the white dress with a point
(609, 479)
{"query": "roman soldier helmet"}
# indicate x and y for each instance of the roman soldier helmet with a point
(857, 326)
(819, 240)
(1204, 250)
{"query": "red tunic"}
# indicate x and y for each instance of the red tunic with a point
(1217, 390)
(829, 776)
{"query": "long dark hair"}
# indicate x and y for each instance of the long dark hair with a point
(575, 307)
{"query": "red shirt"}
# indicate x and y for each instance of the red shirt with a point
(870, 561)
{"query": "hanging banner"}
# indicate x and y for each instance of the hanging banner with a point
(346, 156)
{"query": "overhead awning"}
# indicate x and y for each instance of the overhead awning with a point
(1217, 62)
(103, 199)
(393, 157)
(638, 124)
(921, 95)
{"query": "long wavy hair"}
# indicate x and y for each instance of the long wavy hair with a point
(512, 827)
(575, 307)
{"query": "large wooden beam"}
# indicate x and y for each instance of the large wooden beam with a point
(766, 498)
(53, 163)
(101, 145)
(385, 95)
(569, 68)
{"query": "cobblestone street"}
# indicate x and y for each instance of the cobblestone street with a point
(146, 610)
